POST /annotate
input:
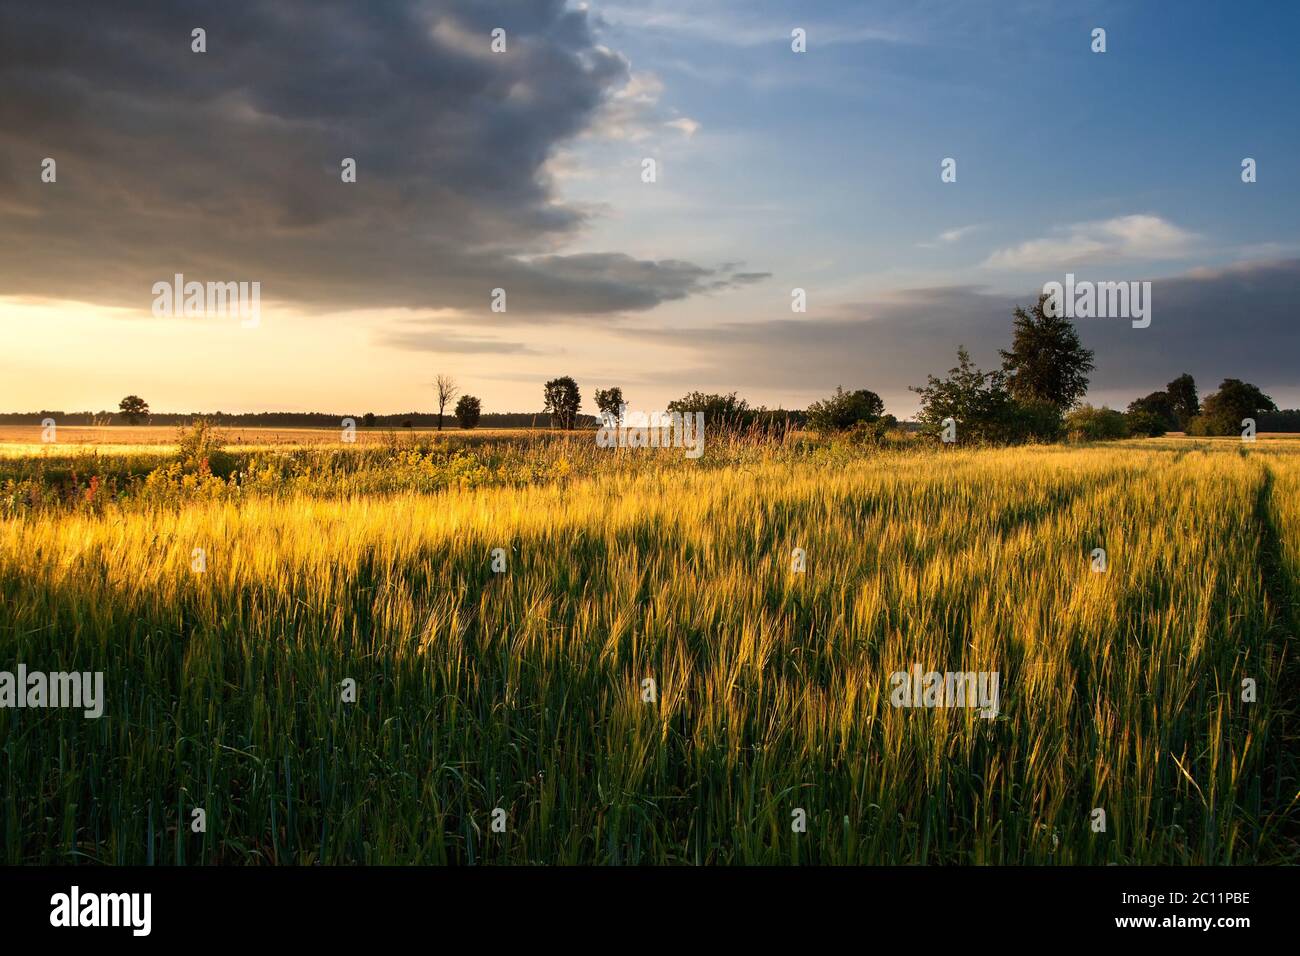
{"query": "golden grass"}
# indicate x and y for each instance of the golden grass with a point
(523, 690)
(18, 441)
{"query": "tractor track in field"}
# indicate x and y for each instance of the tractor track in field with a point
(1280, 590)
(1282, 594)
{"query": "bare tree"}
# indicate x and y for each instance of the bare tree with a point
(447, 390)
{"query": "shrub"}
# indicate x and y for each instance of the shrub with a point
(1035, 420)
(1095, 424)
(720, 411)
(976, 400)
(199, 448)
(871, 433)
(1146, 423)
(844, 410)
(983, 408)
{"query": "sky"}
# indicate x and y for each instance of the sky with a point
(524, 170)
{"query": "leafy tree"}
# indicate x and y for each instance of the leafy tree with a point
(720, 411)
(977, 401)
(468, 410)
(1157, 407)
(610, 402)
(368, 419)
(1096, 424)
(134, 408)
(446, 388)
(563, 401)
(1183, 398)
(1225, 409)
(843, 410)
(1046, 362)
(1142, 421)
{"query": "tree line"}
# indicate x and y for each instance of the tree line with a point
(1036, 395)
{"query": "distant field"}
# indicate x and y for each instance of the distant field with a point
(24, 440)
(112, 439)
(524, 691)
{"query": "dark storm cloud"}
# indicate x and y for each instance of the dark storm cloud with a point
(1238, 321)
(225, 165)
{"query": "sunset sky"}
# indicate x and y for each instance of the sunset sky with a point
(522, 170)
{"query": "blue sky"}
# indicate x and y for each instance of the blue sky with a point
(777, 170)
(823, 167)
(848, 137)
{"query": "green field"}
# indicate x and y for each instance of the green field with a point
(524, 690)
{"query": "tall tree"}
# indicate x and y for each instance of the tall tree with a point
(1046, 361)
(563, 401)
(134, 408)
(610, 402)
(1225, 409)
(1158, 406)
(1183, 398)
(447, 389)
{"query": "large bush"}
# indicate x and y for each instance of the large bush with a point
(983, 408)
(720, 411)
(1147, 423)
(843, 410)
(1086, 423)
(1035, 420)
(977, 401)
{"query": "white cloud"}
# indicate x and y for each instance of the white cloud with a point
(736, 25)
(1137, 237)
(948, 237)
(687, 125)
(629, 113)
(633, 113)
(952, 235)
